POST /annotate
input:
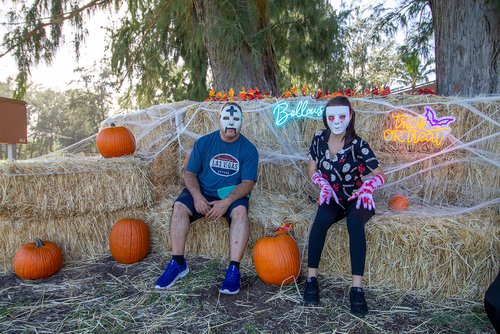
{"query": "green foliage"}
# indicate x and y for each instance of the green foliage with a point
(36, 32)
(308, 44)
(160, 48)
(59, 119)
(412, 70)
(415, 17)
(371, 56)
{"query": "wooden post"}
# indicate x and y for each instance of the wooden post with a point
(13, 125)
(11, 151)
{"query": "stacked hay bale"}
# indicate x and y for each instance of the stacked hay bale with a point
(71, 201)
(448, 243)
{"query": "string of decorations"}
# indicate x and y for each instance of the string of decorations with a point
(256, 94)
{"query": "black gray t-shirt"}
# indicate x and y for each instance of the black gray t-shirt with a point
(344, 169)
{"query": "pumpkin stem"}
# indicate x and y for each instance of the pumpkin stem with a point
(38, 243)
(285, 228)
(112, 125)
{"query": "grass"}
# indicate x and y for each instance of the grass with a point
(101, 296)
(474, 318)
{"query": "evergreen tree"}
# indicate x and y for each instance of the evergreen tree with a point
(463, 35)
(413, 71)
(168, 48)
(371, 55)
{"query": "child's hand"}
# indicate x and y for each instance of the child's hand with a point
(325, 189)
(365, 192)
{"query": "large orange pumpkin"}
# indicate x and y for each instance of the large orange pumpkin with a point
(38, 259)
(277, 259)
(399, 203)
(129, 240)
(115, 141)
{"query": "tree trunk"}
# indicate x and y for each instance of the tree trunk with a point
(467, 37)
(19, 155)
(247, 64)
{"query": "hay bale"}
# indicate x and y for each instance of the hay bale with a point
(446, 244)
(154, 128)
(444, 256)
(79, 236)
(453, 179)
(212, 238)
(283, 151)
(166, 170)
(70, 186)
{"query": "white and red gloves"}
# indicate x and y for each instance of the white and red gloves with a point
(325, 189)
(365, 192)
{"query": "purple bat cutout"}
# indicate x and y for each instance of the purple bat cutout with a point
(432, 119)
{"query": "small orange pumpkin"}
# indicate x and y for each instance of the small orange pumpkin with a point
(129, 240)
(38, 259)
(115, 141)
(399, 203)
(277, 258)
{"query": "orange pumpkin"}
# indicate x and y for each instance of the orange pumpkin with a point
(277, 259)
(399, 203)
(129, 240)
(38, 259)
(115, 141)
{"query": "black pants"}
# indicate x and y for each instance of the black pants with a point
(327, 215)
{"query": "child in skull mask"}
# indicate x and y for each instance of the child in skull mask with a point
(337, 159)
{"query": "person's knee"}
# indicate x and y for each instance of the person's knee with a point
(356, 230)
(239, 215)
(180, 211)
(318, 230)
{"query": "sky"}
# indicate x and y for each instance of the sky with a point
(60, 73)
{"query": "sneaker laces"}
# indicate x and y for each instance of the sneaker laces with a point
(171, 267)
(232, 275)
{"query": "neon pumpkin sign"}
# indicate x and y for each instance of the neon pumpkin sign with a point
(285, 111)
(419, 129)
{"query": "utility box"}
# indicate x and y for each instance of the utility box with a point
(13, 121)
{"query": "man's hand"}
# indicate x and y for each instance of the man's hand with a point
(201, 204)
(218, 209)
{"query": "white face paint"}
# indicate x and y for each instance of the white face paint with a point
(338, 118)
(230, 118)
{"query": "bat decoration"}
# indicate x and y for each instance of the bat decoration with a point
(433, 120)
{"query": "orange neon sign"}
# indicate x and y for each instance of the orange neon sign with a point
(412, 129)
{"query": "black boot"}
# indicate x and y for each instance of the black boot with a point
(358, 302)
(311, 291)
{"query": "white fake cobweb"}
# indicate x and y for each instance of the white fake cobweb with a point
(460, 176)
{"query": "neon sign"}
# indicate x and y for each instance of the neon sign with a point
(412, 129)
(285, 111)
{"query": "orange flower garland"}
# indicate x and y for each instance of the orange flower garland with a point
(256, 94)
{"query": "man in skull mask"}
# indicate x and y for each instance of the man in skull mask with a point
(220, 174)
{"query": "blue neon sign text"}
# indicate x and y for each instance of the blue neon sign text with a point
(283, 111)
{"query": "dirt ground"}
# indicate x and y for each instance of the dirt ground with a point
(102, 296)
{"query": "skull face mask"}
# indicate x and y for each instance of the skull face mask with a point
(231, 118)
(338, 118)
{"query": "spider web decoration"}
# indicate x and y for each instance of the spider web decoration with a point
(462, 175)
